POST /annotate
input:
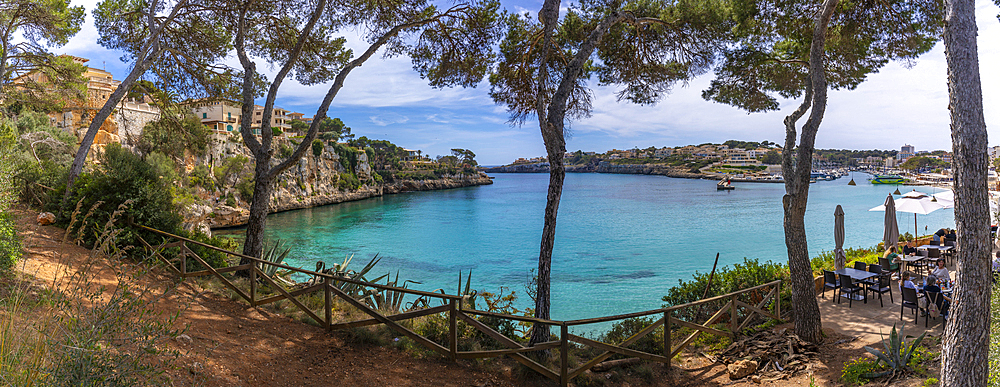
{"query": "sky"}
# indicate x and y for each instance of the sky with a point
(386, 99)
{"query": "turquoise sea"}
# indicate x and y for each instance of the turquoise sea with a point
(621, 241)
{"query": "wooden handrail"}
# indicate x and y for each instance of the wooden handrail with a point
(301, 270)
(453, 308)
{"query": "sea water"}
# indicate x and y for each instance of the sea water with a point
(621, 240)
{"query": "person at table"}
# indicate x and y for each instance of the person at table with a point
(941, 271)
(951, 236)
(892, 257)
(909, 249)
(930, 286)
(904, 281)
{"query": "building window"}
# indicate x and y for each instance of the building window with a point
(229, 128)
(204, 115)
(230, 115)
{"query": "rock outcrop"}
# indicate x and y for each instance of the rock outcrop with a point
(313, 181)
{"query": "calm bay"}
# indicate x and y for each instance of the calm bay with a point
(622, 240)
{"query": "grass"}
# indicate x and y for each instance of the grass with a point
(994, 357)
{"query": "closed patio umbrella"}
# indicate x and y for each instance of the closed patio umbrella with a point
(839, 257)
(891, 235)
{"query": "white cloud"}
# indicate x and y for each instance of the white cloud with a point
(388, 119)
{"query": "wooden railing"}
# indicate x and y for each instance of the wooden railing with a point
(748, 301)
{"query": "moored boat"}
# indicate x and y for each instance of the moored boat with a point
(887, 179)
(725, 185)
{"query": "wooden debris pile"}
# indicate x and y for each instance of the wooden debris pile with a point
(777, 354)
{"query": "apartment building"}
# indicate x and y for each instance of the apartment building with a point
(221, 116)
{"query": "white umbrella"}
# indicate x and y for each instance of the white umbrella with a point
(922, 205)
(947, 199)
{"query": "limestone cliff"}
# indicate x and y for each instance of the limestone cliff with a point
(313, 181)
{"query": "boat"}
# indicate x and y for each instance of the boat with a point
(887, 179)
(725, 185)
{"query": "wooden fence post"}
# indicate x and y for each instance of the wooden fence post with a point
(184, 261)
(777, 300)
(328, 303)
(453, 329)
(253, 287)
(732, 317)
(666, 337)
(564, 355)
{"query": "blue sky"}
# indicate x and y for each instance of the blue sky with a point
(386, 99)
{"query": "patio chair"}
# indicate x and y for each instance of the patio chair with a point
(882, 285)
(848, 285)
(830, 282)
(885, 263)
(873, 268)
(909, 301)
(858, 265)
(950, 253)
(937, 299)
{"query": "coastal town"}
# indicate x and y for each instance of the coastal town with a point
(758, 162)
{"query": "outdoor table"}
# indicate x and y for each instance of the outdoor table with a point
(942, 248)
(910, 260)
(856, 275)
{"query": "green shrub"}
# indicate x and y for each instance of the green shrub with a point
(728, 279)
(285, 151)
(276, 132)
(10, 242)
(245, 188)
(854, 371)
(122, 176)
(622, 330)
(317, 147)
(348, 182)
(201, 176)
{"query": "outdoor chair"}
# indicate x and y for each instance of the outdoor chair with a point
(909, 301)
(873, 268)
(858, 265)
(935, 243)
(847, 285)
(950, 253)
(937, 299)
(830, 282)
(885, 263)
(882, 285)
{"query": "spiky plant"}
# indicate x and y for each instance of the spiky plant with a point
(897, 353)
(274, 254)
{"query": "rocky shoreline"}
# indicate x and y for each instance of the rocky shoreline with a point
(205, 218)
(607, 167)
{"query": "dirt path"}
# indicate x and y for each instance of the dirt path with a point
(229, 343)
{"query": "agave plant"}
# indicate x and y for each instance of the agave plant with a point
(356, 291)
(897, 353)
(273, 254)
(390, 300)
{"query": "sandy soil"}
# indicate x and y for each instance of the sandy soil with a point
(233, 344)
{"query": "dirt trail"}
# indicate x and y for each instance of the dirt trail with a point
(233, 344)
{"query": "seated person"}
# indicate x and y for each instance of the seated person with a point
(941, 271)
(930, 286)
(893, 258)
(909, 249)
(904, 281)
(951, 236)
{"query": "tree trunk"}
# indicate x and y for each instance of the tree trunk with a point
(966, 337)
(557, 175)
(808, 321)
(262, 187)
(103, 114)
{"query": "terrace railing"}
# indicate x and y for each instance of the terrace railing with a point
(737, 310)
